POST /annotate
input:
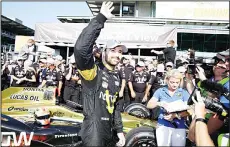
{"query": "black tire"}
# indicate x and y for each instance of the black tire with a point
(138, 110)
(141, 136)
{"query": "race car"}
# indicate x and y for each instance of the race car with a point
(18, 127)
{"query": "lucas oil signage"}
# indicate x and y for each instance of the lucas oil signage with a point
(28, 95)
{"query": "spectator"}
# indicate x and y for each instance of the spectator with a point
(52, 78)
(169, 52)
(127, 69)
(138, 82)
(72, 83)
(201, 133)
(30, 79)
(169, 66)
(29, 51)
(18, 73)
(215, 121)
(171, 127)
(41, 71)
(5, 76)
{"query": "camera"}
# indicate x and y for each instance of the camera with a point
(206, 64)
(215, 106)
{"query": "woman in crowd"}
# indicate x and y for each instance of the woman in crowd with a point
(171, 127)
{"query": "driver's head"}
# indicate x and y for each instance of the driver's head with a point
(42, 116)
(112, 54)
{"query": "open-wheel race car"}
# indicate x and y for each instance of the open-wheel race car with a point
(19, 128)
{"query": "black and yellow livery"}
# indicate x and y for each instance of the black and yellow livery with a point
(99, 90)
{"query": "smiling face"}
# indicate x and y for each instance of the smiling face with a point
(113, 56)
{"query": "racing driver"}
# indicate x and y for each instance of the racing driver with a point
(100, 87)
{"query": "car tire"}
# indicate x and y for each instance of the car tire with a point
(138, 110)
(141, 136)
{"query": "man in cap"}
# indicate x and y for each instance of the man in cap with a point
(72, 83)
(41, 70)
(5, 76)
(52, 77)
(100, 88)
(138, 82)
(216, 121)
(125, 69)
(169, 66)
(18, 73)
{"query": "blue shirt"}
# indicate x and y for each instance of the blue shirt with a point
(161, 95)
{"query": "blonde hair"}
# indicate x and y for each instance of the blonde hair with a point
(175, 73)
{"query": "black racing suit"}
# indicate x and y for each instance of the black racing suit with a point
(100, 90)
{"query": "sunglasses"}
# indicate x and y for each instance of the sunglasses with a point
(220, 67)
(43, 117)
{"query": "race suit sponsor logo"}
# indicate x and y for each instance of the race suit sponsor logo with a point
(110, 100)
(33, 89)
(66, 135)
(17, 109)
(21, 140)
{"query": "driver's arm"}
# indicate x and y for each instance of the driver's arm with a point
(83, 49)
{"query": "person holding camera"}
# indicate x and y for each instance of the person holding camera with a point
(171, 125)
(216, 121)
(201, 129)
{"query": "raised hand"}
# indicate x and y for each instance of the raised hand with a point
(106, 9)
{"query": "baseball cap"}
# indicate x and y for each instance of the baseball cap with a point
(224, 53)
(21, 57)
(115, 43)
(169, 64)
(182, 69)
(50, 61)
(43, 60)
(58, 57)
(72, 59)
(160, 68)
(140, 64)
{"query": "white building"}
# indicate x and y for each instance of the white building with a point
(203, 26)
